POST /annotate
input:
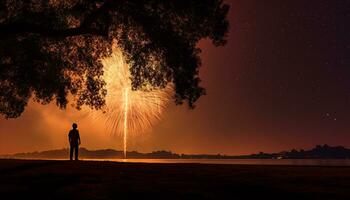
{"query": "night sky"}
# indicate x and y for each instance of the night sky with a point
(281, 82)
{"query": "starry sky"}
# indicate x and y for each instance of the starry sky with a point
(281, 82)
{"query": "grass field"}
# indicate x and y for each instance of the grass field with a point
(30, 179)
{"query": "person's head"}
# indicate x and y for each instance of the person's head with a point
(75, 126)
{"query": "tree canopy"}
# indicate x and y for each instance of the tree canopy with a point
(50, 49)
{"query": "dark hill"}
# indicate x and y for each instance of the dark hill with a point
(318, 152)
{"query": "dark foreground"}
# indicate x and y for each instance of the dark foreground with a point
(108, 180)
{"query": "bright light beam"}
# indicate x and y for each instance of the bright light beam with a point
(125, 119)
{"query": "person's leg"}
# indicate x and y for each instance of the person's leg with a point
(76, 152)
(71, 152)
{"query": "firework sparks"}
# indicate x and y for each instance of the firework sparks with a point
(128, 111)
(126, 100)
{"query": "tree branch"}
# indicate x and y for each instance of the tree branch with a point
(8, 30)
(20, 28)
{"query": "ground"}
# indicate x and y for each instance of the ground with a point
(31, 179)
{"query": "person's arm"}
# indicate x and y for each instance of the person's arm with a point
(79, 138)
(69, 137)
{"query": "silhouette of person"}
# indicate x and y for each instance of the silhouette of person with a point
(74, 141)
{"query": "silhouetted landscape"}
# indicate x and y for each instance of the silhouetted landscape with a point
(201, 99)
(318, 152)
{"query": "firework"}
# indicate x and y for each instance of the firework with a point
(128, 111)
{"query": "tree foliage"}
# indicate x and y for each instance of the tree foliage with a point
(50, 49)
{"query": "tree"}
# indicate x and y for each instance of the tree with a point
(51, 49)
